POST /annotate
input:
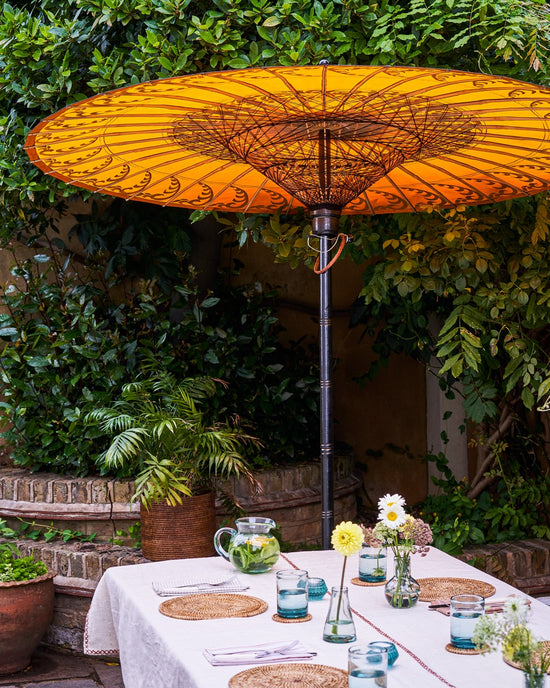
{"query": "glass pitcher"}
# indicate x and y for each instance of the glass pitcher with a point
(252, 547)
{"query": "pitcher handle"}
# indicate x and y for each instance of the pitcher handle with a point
(217, 541)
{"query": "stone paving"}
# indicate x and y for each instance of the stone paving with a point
(54, 669)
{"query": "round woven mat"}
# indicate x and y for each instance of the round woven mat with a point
(461, 650)
(284, 676)
(366, 584)
(209, 606)
(545, 648)
(281, 619)
(443, 588)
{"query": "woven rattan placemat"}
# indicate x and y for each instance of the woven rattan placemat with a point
(545, 648)
(367, 584)
(285, 675)
(461, 650)
(212, 606)
(281, 619)
(444, 588)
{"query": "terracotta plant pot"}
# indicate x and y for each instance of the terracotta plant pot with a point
(26, 609)
(184, 531)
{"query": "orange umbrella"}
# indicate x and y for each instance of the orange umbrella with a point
(333, 139)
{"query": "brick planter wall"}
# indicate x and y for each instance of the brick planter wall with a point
(91, 505)
(525, 564)
(291, 496)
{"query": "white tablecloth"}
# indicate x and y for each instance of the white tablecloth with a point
(160, 652)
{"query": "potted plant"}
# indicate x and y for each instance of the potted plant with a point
(26, 607)
(162, 439)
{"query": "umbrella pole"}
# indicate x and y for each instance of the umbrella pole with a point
(325, 225)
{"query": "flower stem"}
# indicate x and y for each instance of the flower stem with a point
(335, 626)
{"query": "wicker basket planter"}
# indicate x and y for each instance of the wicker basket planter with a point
(183, 531)
(26, 609)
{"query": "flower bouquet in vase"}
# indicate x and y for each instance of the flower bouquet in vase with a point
(520, 648)
(404, 535)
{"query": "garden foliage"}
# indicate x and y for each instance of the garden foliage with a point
(516, 507)
(67, 348)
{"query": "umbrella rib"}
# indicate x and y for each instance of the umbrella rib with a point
(266, 92)
(348, 94)
(459, 180)
(366, 199)
(400, 192)
(256, 193)
(227, 186)
(489, 173)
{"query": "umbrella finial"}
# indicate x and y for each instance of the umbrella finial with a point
(324, 62)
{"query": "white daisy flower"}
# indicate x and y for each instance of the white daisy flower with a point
(393, 516)
(389, 501)
(516, 610)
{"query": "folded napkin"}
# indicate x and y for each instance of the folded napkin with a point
(491, 606)
(265, 653)
(187, 586)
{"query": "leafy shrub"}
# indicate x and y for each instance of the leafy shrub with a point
(514, 508)
(68, 348)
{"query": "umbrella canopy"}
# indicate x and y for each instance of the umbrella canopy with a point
(333, 139)
(364, 139)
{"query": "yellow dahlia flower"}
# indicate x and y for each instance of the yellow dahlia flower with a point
(347, 538)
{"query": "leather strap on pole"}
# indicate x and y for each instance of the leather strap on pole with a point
(344, 238)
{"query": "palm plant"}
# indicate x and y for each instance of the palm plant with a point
(162, 439)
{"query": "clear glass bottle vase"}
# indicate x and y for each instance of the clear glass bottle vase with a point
(339, 626)
(534, 680)
(402, 590)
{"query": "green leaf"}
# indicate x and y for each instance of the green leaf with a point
(271, 22)
(38, 361)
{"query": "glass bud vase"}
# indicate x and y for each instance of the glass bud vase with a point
(339, 626)
(402, 591)
(534, 680)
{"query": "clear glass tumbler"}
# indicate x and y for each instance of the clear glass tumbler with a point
(465, 611)
(292, 595)
(367, 667)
